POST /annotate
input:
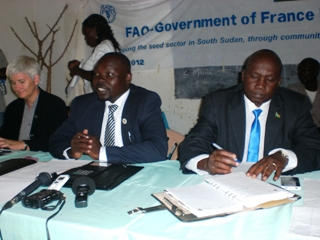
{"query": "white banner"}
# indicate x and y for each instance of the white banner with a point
(189, 33)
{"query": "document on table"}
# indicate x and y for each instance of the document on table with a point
(306, 222)
(243, 167)
(311, 196)
(251, 192)
(225, 194)
(306, 218)
(211, 201)
(14, 182)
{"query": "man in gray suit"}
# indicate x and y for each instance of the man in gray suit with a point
(308, 71)
(288, 141)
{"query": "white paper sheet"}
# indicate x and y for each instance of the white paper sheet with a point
(306, 218)
(251, 192)
(305, 222)
(14, 182)
(311, 196)
(203, 200)
(243, 167)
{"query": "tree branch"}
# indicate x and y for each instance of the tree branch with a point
(49, 51)
(53, 33)
(30, 27)
(65, 49)
(55, 24)
(25, 45)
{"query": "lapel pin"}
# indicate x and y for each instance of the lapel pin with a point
(278, 115)
(35, 116)
(124, 121)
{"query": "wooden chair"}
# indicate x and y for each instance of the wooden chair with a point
(174, 139)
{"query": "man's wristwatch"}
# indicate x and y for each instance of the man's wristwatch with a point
(25, 147)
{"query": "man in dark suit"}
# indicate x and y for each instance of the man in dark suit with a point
(139, 134)
(288, 140)
(30, 120)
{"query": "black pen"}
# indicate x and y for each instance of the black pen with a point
(175, 145)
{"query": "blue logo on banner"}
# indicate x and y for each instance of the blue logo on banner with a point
(109, 12)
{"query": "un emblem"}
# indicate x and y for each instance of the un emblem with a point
(109, 12)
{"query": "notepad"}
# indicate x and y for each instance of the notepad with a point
(249, 191)
(204, 200)
(226, 194)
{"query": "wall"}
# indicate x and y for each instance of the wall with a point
(181, 114)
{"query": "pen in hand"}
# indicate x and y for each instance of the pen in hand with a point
(218, 147)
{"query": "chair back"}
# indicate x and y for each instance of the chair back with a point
(174, 139)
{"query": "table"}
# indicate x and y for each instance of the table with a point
(106, 215)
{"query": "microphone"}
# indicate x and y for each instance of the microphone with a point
(43, 178)
(82, 187)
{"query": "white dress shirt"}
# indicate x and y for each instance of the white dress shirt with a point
(311, 95)
(117, 118)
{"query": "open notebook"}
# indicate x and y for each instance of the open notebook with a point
(221, 195)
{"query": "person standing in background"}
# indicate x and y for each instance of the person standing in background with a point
(308, 71)
(3, 66)
(98, 35)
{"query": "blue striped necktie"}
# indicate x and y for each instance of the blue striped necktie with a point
(109, 139)
(254, 142)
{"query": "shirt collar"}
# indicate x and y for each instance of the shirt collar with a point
(121, 100)
(251, 106)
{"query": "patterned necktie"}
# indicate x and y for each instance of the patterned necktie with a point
(109, 135)
(254, 142)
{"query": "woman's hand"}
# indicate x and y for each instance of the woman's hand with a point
(73, 67)
(12, 144)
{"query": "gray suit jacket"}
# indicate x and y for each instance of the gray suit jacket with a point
(223, 122)
(315, 110)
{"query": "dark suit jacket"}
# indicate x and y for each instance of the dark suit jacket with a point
(223, 122)
(50, 113)
(141, 117)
